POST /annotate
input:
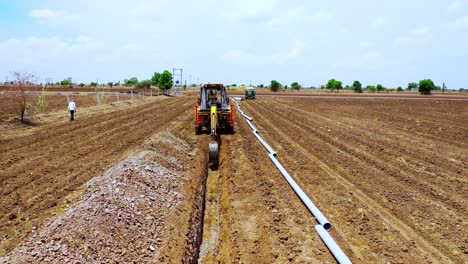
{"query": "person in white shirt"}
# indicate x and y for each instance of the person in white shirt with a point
(72, 109)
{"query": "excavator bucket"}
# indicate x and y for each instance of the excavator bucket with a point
(213, 154)
(213, 146)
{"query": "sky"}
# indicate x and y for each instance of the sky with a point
(240, 41)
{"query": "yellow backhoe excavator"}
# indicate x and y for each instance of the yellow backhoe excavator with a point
(214, 114)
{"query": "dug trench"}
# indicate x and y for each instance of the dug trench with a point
(146, 208)
(161, 204)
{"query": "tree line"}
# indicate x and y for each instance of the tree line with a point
(161, 80)
(424, 86)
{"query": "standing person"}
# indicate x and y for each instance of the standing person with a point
(72, 109)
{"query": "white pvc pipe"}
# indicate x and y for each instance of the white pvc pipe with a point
(305, 199)
(268, 148)
(254, 129)
(339, 255)
(246, 116)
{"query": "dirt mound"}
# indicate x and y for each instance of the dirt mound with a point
(124, 213)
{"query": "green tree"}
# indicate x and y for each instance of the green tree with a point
(399, 89)
(66, 82)
(110, 84)
(145, 84)
(333, 84)
(426, 86)
(357, 87)
(81, 85)
(379, 88)
(93, 84)
(412, 86)
(131, 82)
(260, 86)
(295, 86)
(155, 79)
(275, 86)
(165, 81)
(371, 88)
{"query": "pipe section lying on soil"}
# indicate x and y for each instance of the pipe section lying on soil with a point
(324, 223)
(246, 116)
(267, 147)
(304, 198)
(254, 129)
(332, 246)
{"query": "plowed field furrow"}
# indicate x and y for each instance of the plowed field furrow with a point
(59, 131)
(393, 200)
(363, 223)
(410, 210)
(417, 121)
(263, 219)
(59, 165)
(411, 111)
(367, 129)
(389, 161)
(88, 144)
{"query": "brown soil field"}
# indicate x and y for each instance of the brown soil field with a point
(390, 175)
(56, 101)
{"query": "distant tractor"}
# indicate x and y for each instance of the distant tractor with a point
(215, 115)
(250, 93)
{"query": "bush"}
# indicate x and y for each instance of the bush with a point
(295, 86)
(399, 89)
(412, 86)
(371, 88)
(426, 86)
(81, 85)
(275, 86)
(145, 84)
(357, 87)
(379, 88)
(93, 84)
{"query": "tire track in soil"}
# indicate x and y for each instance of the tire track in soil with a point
(31, 193)
(280, 136)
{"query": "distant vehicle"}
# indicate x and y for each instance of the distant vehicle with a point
(250, 93)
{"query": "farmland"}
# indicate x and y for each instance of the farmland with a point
(390, 174)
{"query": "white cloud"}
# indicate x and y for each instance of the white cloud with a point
(420, 31)
(366, 44)
(252, 11)
(417, 36)
(297, 47)
(378, 22)
(48, 16)
(459, 23)
(455, 5)
(299, 15)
